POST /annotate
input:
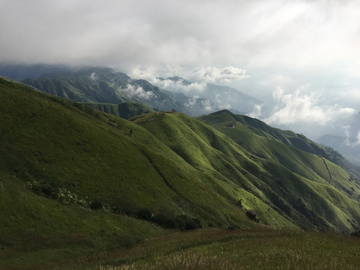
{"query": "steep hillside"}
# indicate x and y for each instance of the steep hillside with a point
(348, 147)
(303, 187)
(124, 110)
(61, 159)
(75, 176)
(238, 126)
(104, 85)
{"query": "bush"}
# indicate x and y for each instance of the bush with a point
(144, 214)
(96, 204)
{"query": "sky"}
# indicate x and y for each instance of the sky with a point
(300, 56)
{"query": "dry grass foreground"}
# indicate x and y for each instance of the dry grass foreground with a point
(243, 249)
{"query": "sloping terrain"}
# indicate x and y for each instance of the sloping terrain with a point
(75, 176)
(348, 147)
(124, 110)
(104, 85)
(303, 187)
(68, 169)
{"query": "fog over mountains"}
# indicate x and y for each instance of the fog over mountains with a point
(302, 113)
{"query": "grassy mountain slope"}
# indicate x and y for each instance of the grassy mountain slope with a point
(222, 120)
(124, 110)
(289, 180)
(75, 157)
(72, 175)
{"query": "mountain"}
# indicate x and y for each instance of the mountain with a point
(348, 147)
(85, 151)
(224, 97)
(75, 177)
(20, 72)
(104, 85)
(124, 110)
(344, 138)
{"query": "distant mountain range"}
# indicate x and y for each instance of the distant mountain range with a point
(105, 89)
(345, 139)
(104, 85)
(224, 97)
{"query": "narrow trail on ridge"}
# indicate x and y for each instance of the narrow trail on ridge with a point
(327, 168)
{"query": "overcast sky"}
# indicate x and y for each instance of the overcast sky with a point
(304, 56)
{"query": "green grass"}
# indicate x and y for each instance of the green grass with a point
(124, 110)
(73, 181)
(253, 249)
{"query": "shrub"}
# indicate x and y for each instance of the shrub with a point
(96, 204)
(144, 214)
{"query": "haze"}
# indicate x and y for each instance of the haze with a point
(301, 57)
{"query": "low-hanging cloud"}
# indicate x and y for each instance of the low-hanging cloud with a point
(300, 107)
(256, 113)
(351, 142)
(196, 101)
(94, 76)
(179, 86)
(214, 74)
(137, 91)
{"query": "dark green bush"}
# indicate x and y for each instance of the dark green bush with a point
(144, 214)
(96, 204)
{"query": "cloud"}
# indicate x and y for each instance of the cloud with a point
(191, 101)
(351, 142)
(94, 76)
(132, 90)
(196, 101)
(277, 80)
(178, 86)
(214, 74)
(208, 106)
(222, 105)
(256, 113)
(278, 42)
(205, 104)
(300, 107)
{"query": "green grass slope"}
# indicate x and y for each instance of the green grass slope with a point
(291, 181)
(124, 110)
(72, 174)
(225, 120)
(74, 178)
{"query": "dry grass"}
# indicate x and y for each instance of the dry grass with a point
(260, 250)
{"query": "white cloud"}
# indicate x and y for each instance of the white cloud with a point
(207, 105)
(132, 90)
(214, 74)
(94, 76)
(222, 105)
(191, 101)
(352, 142)
(289, 42)
(277, 80)
(300, 107)
(178, 86)
(256, 113)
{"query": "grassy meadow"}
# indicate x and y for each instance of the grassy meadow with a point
(240, 249)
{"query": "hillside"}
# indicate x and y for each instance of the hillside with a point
(72, 176)
(245, 126)
(124, 110)
(348, 147)
(105, 85)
